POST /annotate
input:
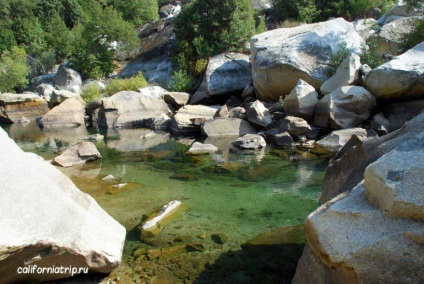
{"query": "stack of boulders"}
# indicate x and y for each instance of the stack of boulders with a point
(372, 233)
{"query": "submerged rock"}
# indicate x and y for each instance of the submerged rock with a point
(202, 149)
(79, 153)
(154, 225)
(250, 141)
(47, 220)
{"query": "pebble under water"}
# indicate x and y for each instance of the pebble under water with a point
(231, 195)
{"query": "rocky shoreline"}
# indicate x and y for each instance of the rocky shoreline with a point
(371, 121)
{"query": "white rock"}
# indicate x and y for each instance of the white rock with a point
(79, 153)
(47, 220)
(250, 141)
(345, 107)
(283, 56)
(258, 114)
(70, 113)
(68, 79)
(399, 79)
(301, 101)
(202, 149)
(227, 127)
(337, 139)
(189, 118)
(346, 74)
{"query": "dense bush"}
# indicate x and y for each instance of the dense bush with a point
(130, 84)
(416, 36)
(13, 70)
(180, 82)
(138, 12)
(208, 27)
(91, 93)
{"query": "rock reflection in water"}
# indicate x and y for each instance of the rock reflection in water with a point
(130, 140)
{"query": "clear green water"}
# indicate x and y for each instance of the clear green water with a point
(241, 194)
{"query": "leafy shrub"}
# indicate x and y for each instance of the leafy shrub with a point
(208, 27)
(413, 38)
(91, 93)
(337, 58)
(181, 81)
(368, 55)
(13, 69)
(138, 12)
(130, 84)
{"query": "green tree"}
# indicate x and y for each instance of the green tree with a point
(13, 69)
(208, 27)
(105, 34)
(61, 39)
(30, 35)
(138, 12)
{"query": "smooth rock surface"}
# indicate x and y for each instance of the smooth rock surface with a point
(59, 96)
(15, 106)
(128, 109)
(47, 220)
(202, 149)
(227, 127)
(395, 181)
(365, 27)
(401, 78)
(226, 73)
(301, 101)
(347, 168)
(79, 153)
(359, 244)
(70, 113)
(250, 141)
(337, 139)
(281, 57)
(346, 74)
(345, 107)
(156, 92)
(189, 118)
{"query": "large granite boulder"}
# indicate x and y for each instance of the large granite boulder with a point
(46, 220)
(395, 181)
(301, 101)
(283, 56)
(128, 109)
(227, 127)
(79, 153)
(347, 168)
(399, 79)
(225, 74)
(389, 38)
(346, 74)
(153, 56)
(374, 233)
(68, 79)
(189, 118)
(399, 11)
(176, 99)
(365, 27)
(346, 107)
(70, 113)
(13, 107)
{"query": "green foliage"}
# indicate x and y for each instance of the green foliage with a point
(7, 39)
(90, 93)
(13, 69)
(413, 38)
(368, 55)
(61, 39)
(94, 52)
(45, 62)
(130, 84)
(181, 81)
(348, 9)
(30, 35)
(208, 27)
(337, 58)
(138, 12)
